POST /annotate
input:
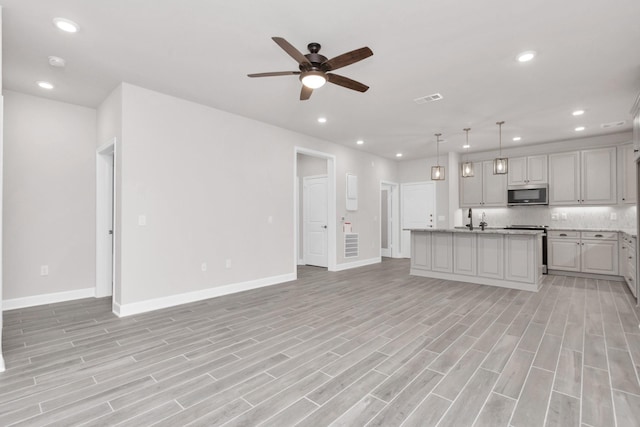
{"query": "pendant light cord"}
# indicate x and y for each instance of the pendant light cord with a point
(500, 137)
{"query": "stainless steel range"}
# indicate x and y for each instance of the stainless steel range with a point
(544, 240)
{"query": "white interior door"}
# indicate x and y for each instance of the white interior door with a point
(105, 227)
(418, 210)
(314, 195)
(386, 220)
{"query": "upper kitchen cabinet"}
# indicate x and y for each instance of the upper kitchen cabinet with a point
(583, 177)
(484, 189)
(627, 174)
(564, 178)
(598, 172)
(528, 170)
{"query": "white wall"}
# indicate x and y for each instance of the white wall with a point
(2, 367)
(207, 181)
(49, 196)
(109, 126)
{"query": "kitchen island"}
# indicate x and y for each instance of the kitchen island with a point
(495, 257)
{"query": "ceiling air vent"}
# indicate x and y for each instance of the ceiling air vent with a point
(613, 124)
(428, 98)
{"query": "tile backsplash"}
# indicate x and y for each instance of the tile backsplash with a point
(570, 217)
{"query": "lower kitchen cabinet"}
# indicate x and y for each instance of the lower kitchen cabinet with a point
(520, 266)
(627, 262)
(599, 257)
(421, 251)
(464, 254)
(490, 258)
(563, 254)
(586, 252)
(442, 252)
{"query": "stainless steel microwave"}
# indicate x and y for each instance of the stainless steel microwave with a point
(532, 194)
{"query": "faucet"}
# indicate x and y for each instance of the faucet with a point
(470, 216)
(483, 221)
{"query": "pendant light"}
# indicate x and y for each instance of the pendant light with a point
(437, 171)
(467, 167)
(500, 164)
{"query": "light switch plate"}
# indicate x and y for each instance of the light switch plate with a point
(563, 215)
(142, 220)
(614, 216)
(555, 217)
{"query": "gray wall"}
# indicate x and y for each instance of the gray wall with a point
(49, 196)
(207, 182)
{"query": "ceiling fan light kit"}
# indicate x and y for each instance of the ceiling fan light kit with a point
(313, 79)
(315, 68)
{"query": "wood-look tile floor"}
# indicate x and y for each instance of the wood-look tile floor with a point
(370, 346)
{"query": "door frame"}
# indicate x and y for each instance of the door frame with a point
(331, 206)
(104, 191)
(305, 241)
(395, 217)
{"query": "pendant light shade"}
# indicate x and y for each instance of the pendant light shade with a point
(500, 164)
(467, 166)
(437, 171)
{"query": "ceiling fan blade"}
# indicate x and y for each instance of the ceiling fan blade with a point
(346, 82)
(347, 59)
(275, 73)
(292, 51)
(305, 93)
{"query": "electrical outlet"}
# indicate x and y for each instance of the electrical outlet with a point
(270, 219)
(555, 217)
(563, 215)
(614, 216)
(203, 267)
(142, 220)
(227, 263)
(44, 270)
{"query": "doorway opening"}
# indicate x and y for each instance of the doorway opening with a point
(314, 209)
(389, 224)
(105, 219)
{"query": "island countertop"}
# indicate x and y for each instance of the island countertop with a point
(478, 230)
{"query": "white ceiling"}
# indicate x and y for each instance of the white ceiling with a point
(202, 50)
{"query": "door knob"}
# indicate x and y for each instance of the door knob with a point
(324, 226)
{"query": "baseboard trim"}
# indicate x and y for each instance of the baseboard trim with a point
(124, 310)
(586, 275)
(356, 264)
(24, 302)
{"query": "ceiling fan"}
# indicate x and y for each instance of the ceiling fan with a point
(315, 68)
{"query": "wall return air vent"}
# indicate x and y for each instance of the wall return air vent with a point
(428, 98)
(613, 124)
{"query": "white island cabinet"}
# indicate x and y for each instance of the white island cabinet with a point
(496, 257)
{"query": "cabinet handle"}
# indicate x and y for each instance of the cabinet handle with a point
(623, 199)
(599, 235)
(563, 235)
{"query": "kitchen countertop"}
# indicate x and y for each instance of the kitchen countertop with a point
(487, 230)
(631, 232)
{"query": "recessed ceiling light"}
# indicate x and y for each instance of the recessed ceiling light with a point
(578, 112)
(322, 120)
(66, 25)
(466, 146)
(45, 85)
(56, 61)
(526, 56)
(579, 129)
(398, 154)
(517, 138)
(359, 142)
